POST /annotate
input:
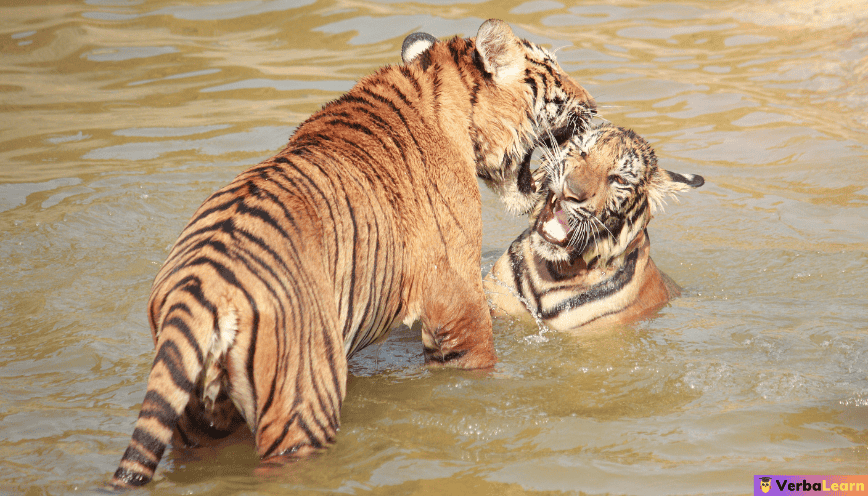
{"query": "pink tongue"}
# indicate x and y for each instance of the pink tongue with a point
(561, 216)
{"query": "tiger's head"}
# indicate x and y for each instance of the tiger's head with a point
(521, 97)
(597, 194)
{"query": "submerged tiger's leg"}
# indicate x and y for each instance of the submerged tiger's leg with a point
(300, 386)
(456, 322)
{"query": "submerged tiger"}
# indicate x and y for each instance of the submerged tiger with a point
(370, 216)
(586, 257)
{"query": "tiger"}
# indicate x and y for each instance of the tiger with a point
(369, 217)
(585, 261)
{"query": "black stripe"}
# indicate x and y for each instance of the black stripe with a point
(225, 224)
(332, 355)
(408, 75)
(130, 478)
(402, 96)
(384, 126)
(297, 282)
(530, 81)
(264, 216)
(522, 283)
(434, 355)
(375, 290)
(180, 307)
(311, 185)
(350, 212)
(172, 358)
(179, 324)
(599, 291)
(448, 204)
(424, 60)
(436, 218)
(183, 435)
(159, 409)
(148, 442)
(525, 178)
(355, 126)
(189, 250)
(281, 437)
(360, 98)
(220, 206)
(313, 441)
(324, 401)
(635, 215)
(437, 87)
(400, 115)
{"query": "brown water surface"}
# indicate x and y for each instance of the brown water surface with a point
(118, 117)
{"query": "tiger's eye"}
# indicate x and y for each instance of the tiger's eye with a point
(618, 179)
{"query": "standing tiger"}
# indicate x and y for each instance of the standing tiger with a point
(586, 257)
(370, 216)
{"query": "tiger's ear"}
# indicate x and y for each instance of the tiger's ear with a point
(667, 183)
(414, 45)
(692, 180)
(499, 49)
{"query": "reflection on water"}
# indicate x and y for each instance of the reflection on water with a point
(120, 117)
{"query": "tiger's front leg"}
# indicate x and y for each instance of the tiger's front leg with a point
(456, 323)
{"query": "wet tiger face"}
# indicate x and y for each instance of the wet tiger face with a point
(597, 193)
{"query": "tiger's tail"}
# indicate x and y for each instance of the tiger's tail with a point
(178, 365)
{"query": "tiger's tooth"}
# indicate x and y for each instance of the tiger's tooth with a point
(555, 229)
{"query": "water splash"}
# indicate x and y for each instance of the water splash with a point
(539, 337)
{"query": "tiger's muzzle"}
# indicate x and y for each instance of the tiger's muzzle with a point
(553, 222)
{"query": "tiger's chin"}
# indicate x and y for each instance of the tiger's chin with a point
(553, 252)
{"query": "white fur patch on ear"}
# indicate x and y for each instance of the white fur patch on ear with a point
(414, 45)
(692, 180)
(499, 50)
(666, 183)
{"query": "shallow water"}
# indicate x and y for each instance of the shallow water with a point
(120, 116)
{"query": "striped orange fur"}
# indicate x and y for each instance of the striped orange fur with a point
(370, 216)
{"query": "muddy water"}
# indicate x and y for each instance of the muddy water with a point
(119, 117)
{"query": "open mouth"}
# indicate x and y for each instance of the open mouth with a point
(552, 223)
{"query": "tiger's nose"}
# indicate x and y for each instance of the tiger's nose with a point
(576, 191)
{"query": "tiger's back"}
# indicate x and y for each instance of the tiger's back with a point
(370, 216)
(272, 269)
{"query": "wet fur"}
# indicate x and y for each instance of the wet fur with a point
(369, 217)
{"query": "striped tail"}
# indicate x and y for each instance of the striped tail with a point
(177, 366)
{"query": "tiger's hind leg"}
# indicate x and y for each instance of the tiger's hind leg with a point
(300, 383)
